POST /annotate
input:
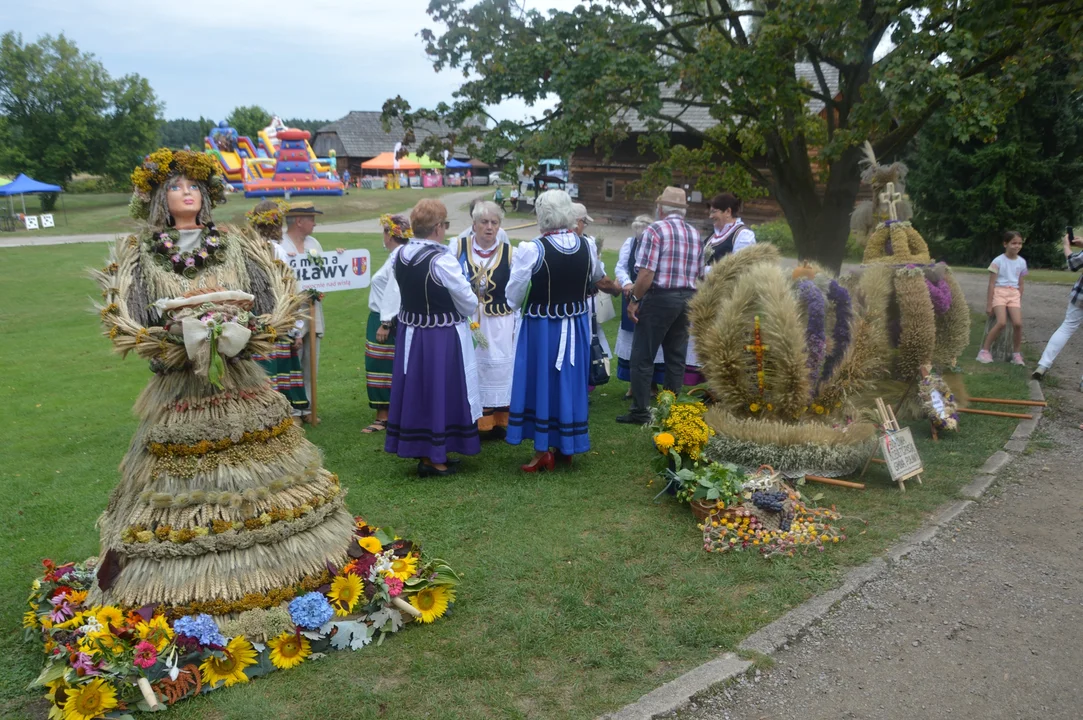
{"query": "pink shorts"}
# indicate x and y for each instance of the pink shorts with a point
(1007, 297)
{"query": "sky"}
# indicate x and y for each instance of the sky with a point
(205, 57)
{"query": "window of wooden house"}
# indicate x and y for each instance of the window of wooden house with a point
(609, 188)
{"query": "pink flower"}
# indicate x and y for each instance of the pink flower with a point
(167, 244)
(145, 654)
(394, 586)
(63, 610)
(84, 665)
(189, 262)
(203, 253)
(175, 258)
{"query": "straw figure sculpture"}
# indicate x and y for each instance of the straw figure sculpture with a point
(222, 504)
(784, 354)
(926, 315)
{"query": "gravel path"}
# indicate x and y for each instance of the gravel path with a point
(986, 621)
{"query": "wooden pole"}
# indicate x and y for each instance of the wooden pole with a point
(996, 413)
(833, 481)
(1002, 401)
(313, 419)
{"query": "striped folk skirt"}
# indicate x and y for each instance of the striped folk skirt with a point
(283, 367)
(379, 364)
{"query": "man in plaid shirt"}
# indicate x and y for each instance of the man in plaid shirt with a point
(669, 261)
(1072, 319)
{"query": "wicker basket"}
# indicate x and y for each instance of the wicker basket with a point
(703, 509)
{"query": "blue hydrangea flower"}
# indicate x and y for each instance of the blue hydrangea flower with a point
(310, 611)
(202, 628)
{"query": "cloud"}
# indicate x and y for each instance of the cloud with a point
(317, 59)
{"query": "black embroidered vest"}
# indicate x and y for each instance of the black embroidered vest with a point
(493, 295)
(714, 253)
(558, 288)
(425, 303)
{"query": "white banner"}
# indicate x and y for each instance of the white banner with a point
(348, 270)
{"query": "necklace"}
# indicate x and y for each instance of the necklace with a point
(210, 250)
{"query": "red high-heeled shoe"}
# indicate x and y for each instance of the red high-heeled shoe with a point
(545, 462)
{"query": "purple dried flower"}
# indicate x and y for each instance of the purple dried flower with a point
(840, 336)
(176, 258)
(940, 294)
(189, 262)
(809, 296)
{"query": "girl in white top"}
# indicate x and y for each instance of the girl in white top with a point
(1005, 297)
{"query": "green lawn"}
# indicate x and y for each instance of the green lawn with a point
(108, 212)
(580, 592)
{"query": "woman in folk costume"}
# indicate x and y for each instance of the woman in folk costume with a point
(486, 262)
(435, 401)
(730, 235)
(625, 273)
(551, 276)
(283, 364)
(383, 318)
(216, 446)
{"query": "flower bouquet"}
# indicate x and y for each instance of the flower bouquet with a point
(212, 326)
(678, 430)
(107, 661)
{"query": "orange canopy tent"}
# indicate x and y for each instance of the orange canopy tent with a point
(386, 161)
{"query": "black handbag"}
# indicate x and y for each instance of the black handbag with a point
(599, 363)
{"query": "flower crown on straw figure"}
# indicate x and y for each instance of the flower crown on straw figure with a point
(163, 164)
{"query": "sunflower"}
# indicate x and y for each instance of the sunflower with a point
(345, 592)
(89, 701)
(432, 602)
(289, 650)
(239, 654)
(157, 632)
(371, 544)
(404, 568)
(110, 615)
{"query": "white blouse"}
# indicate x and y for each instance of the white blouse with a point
(384, 295)
(621, 270)
(526, 256)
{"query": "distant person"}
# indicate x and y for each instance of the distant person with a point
(625, 273)
(498, 198)
(1072, 318)
(1005, 297)
(668, 262)
(346, 180)
(514, 196)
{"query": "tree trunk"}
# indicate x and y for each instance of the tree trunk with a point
(821, 226)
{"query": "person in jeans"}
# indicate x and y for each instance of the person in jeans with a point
(1072, 319)
(669, 261)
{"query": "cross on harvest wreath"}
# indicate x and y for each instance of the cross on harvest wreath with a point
(938, 402)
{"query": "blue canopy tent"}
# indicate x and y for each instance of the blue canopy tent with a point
(454, 164)
(23, 185)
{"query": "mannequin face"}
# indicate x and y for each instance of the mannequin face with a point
(184, 201)
(485, 230)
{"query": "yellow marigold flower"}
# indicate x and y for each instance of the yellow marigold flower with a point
(371, 544)
(110, 615)
(664, 442)
(754, 407)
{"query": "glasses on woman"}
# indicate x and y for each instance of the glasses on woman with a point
(446, 224)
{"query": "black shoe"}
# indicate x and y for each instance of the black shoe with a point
(424, 470)
(634, 419)
(497, 433)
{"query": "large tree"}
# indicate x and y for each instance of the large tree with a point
(897, 62)
(1029, 178)
(61, 112)
(179, 132)
(248, 120)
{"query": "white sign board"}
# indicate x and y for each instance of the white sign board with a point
(900, 454)
(348, 270)
(572, 190)
(31, 222)
(937, 401)
(47, 220)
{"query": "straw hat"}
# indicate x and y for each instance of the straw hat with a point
(303, 209)
(672, 197)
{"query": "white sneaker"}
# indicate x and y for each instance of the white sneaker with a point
(984, 356)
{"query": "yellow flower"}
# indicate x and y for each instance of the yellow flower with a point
(110, 615)
(432, 602)
(157, 632)
(818, 409)
(289, 650)
(30, 619)
(754, 407)
(76, 597)
(664, 442)
(371, 544)
(239, 654)
(345, 592)
(404, 568)
(89, 701)
(475, 325)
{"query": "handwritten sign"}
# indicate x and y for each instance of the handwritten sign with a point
(900, 454)
(349, 270)
(937, 401)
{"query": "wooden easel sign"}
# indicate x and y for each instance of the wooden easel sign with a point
(901, 456)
